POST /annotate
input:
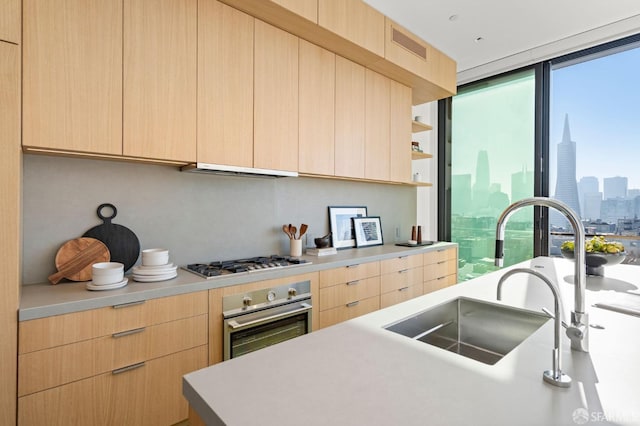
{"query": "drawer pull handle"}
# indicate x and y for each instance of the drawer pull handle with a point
(403, 257)
(128, 332)
(403, 271)
(126, 305)
(441, 278)
(352, 266)
(352, 304)
(404, 288)
(354, 282)
(441, 262)
(128, 368)
(441, 250)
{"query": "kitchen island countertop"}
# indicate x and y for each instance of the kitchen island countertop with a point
(358, 373)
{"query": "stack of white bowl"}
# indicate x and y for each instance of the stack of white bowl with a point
(155, 266)
(107, 276)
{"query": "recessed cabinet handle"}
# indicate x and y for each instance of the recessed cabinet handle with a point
(352, 266)
(403, 288)
(128, 332)
(352, 304)
(126, 305)
(354, 282)
(403, 257)
(128, 368)
(441, 278)
(441, 262)
(403, 271)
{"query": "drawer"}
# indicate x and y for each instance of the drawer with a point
(346, 312)
(400, 263)
(47, 368)
(441, 282)
(440, 255)
(440, 269)
(345, 274)
(341, 294)
(58, 330)
(400, 279)
(400, 295)
(147, 393)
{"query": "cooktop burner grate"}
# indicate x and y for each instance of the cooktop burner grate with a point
(253, 264)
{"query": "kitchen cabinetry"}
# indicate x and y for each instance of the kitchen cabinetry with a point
(317, 109)
(114, 365)
(440, 269)
(72, 75)
(355, 21)
(307, 9)
(349, 119)
(377, 126)
(160, 57)
(401, 279)
(10, 21)
(10, 241)
(348, 292)
(275, 143)
(225, 91)
(400, 133)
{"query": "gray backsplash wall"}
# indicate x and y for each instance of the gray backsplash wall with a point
(197, 217)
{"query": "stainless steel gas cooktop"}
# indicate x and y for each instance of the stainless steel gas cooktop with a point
(253, 264)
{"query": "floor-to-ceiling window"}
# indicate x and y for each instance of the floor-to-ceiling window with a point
(594, 143)
(492, 165)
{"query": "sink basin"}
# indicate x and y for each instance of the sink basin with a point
(475, 329)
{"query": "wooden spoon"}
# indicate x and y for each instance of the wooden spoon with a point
(293, 230)
(285, 228)
(303, 229)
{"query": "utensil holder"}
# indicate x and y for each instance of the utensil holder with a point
(295, 248)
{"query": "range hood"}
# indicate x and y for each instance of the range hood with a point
(222, 169)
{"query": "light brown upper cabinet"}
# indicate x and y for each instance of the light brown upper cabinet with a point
(400, 133)
(160, 58)
(306, 8)
(349, 119)
(275, 135)
(10, 20)
(408, 51)
(355, 21)
(72, 75)
(317, 109)
(377, 126)
(225, 89)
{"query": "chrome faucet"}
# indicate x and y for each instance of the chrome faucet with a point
(578, 330)
(555, 376)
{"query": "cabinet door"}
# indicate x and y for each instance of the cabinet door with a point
(10, 20)
(72, 75)
(160, 79)
(275, 143)
(400, 133)
(349, 119)
(317, 109)
(225, 89)
(355, 21)
(377, 93)
(306, 8)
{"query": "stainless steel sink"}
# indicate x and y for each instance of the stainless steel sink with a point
(472, 328)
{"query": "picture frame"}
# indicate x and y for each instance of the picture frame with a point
(341, 225)
(368, 231)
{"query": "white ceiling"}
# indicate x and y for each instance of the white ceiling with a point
(514, 32)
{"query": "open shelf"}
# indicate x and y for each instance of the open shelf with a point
(418, 126)
(415, 155)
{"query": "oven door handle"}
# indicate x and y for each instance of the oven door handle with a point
(235, 325)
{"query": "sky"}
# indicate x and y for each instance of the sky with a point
(602, 100)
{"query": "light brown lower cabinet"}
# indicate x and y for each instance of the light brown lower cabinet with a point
(440, 269)
(148, 393)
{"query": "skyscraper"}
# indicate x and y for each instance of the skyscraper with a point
(615, 187)
(566, 185)
(481, 185)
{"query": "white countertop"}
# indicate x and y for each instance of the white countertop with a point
(357, 373)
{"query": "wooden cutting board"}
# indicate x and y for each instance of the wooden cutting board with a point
(75, 258)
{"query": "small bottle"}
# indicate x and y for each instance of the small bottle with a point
(419, 237)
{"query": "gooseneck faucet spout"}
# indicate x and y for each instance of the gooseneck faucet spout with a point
(578, 331)
(555, 376)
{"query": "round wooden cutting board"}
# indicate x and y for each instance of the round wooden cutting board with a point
(75, 247)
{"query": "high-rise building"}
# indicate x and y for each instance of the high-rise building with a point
(566, 185)
(461, 201)
(590, 197)
(481, 185)
(615, 187)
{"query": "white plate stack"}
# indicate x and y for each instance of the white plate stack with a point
(155, 266)
(107, 276)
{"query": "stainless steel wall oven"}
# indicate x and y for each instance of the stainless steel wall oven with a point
(262, 318)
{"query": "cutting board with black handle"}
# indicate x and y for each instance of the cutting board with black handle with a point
(122, 243)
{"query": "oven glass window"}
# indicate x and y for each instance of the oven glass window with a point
(255, 338)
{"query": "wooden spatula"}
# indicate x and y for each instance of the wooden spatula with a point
(79, 254)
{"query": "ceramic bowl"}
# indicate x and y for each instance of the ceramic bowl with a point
(597, 261)
(104, 273)
(155, 257)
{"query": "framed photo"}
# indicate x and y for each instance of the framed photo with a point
(368, 231)
(342, 235)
